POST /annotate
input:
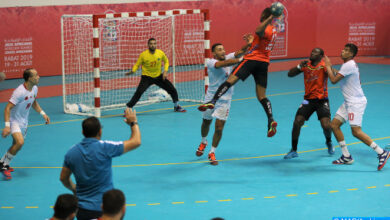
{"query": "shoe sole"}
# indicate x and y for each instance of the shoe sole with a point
(272, 130)
(204, 107)
(214, 163)
(346, 163)
(287, 158)
(380, 167)
(199, 153)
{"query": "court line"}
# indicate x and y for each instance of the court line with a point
(186, 106)
(206, 161)
(221, 200)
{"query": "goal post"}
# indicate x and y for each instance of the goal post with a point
(97, 51)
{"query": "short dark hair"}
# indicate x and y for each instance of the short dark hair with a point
(113, 201)
(27, 74)
(321, 51)
(353, 48)
(91, 127)
(214, 46)
(150, 39)
(265, 14)
(66, 204)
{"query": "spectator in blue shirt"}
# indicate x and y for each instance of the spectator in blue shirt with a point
(90, 162)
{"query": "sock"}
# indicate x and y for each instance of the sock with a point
(7, 158)
(213, 149)
(220, 91)
(204, 140)
(294, 145)
(267, 108)
(176, 104)
(376, 148)
(344, 149)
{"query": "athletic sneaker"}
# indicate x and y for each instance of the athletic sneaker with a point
(383, 159)
(212, 159)
(200, 150)
(343, 160)
(6, 173)
(330, 148)
(272, 129)
(205, 106)
(10, 169)
(291, 155)
(179, 109)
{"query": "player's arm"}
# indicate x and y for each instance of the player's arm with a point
(166, 65)
(228, 62)
(66, 180)
(261, 28)
(7, 115)
(248, 39)
(298, 69)
(135, 138)
(136, 65)
(38, 109)
(333, 75)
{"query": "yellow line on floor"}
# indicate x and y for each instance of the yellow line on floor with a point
(371, 187)
(7, 207)
(177, 203)
(131, 204)
(32, 207)
(225, 200)
(154, 204)
(333, 191)
(201, 201)
(247, 198)
(315, 193)
(354, 189)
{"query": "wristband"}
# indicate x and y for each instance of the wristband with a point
(133, 123)
(7, 124)
(299, 66)
(42, 113)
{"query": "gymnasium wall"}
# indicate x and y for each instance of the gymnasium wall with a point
(31, 33)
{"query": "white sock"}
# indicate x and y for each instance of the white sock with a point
(204, 140)
(376, 148)
(7, 158)
(213, 149)
(344, 149)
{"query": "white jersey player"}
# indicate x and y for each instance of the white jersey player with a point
(352, 109)
(219, 68)
(16, 116)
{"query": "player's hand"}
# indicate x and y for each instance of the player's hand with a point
(248, 38)
(6, 132)
(129, 73)
(164, 75)
(47, 119)
(130, 116)
(327, 61)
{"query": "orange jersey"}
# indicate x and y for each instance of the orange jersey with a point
(261, 47)
(316, 81)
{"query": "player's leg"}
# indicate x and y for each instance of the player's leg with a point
(17, 143)
(219, 125)
(303, 114)
(143, 85)
(221, 113)
(204, 131)
(171, 90)
(241, 71)
(339, 119)
(355, 113)
(323, 113)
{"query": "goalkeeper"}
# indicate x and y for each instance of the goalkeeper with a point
(150, 60)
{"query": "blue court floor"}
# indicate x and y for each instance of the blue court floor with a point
(163, 179)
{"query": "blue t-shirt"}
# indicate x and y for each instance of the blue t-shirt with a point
(90, 162)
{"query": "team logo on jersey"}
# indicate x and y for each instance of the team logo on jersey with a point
(158, 59)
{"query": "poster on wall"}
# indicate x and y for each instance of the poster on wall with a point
(17, 55)
(362, 34)
(280, 45)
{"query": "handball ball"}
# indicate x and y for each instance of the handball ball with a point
(277, 9)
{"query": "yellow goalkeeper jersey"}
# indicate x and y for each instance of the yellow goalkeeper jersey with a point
(151, 63)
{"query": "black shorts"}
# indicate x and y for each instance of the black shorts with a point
(258, 69)
(308, 106)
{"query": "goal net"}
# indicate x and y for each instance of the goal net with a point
(98, 50)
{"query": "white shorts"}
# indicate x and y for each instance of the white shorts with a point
(352, 112)
(18, 128)
(220, 111)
